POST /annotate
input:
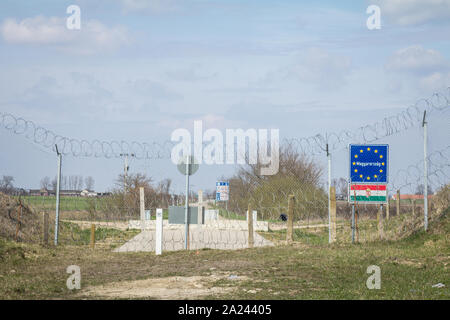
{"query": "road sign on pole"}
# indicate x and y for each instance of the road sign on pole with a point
(369, 163)
(222, 190)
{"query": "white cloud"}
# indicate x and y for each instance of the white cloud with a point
(316, 67)
(418, 60)
(37, 30)
(413, 12)
(92, 37)
(155, 6)
(425, 69)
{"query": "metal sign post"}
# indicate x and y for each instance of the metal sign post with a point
(187, 167)
(368, 178)
(353, 223)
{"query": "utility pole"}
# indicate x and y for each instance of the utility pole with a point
(329, 198)
(125, 169)
(58, 184)
(425, 171)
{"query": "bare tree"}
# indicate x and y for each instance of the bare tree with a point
(298, 175)
(420, 189)
(6, 184)
(54, 184)
(46, 183)
(79, 182)
(341, 186)
(75, 182)
(71, 182)
(63, 182)
(89, 183)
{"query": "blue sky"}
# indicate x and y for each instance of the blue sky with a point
(138, 69)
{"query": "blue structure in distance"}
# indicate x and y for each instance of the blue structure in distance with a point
(222, 190)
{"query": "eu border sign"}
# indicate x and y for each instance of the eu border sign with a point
(369, 163)
(222, 191)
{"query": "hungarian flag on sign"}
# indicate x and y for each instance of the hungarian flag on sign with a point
(372, 193)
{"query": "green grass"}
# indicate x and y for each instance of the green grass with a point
(313, 237)
(310, 268)
(66, 203)
(78, 236)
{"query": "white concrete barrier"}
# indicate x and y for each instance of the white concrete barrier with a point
(159, 232)
(211, 214)
(215, 224)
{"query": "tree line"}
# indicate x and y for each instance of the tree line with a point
(72, 182)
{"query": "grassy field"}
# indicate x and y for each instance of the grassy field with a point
(307, 269)
(66, 203)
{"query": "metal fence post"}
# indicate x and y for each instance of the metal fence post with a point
(387, 204)
(58, 185)
(425, 172)
(353, 222)
(186, 212)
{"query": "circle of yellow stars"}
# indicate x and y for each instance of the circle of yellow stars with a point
(382, 163)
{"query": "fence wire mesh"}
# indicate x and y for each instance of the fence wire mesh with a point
(120, 224)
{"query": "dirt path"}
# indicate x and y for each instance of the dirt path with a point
(170, 288)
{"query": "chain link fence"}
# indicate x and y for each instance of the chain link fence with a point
(123, 223)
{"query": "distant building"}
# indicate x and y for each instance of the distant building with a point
(70, 193)
(88, 193)
(43, 192)
(411, 196)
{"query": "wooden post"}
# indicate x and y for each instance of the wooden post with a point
(92, 236)
(380, 221)
(397, 202)
(290, 222)
(19, 213)
(45, 227)
(332, 214)
(413, 201)
(251, 240)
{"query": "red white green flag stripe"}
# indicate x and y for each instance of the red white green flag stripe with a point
(372, 193)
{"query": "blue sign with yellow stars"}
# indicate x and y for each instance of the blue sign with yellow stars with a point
(369, 163)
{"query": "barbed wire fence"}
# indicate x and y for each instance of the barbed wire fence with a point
(120, 224)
